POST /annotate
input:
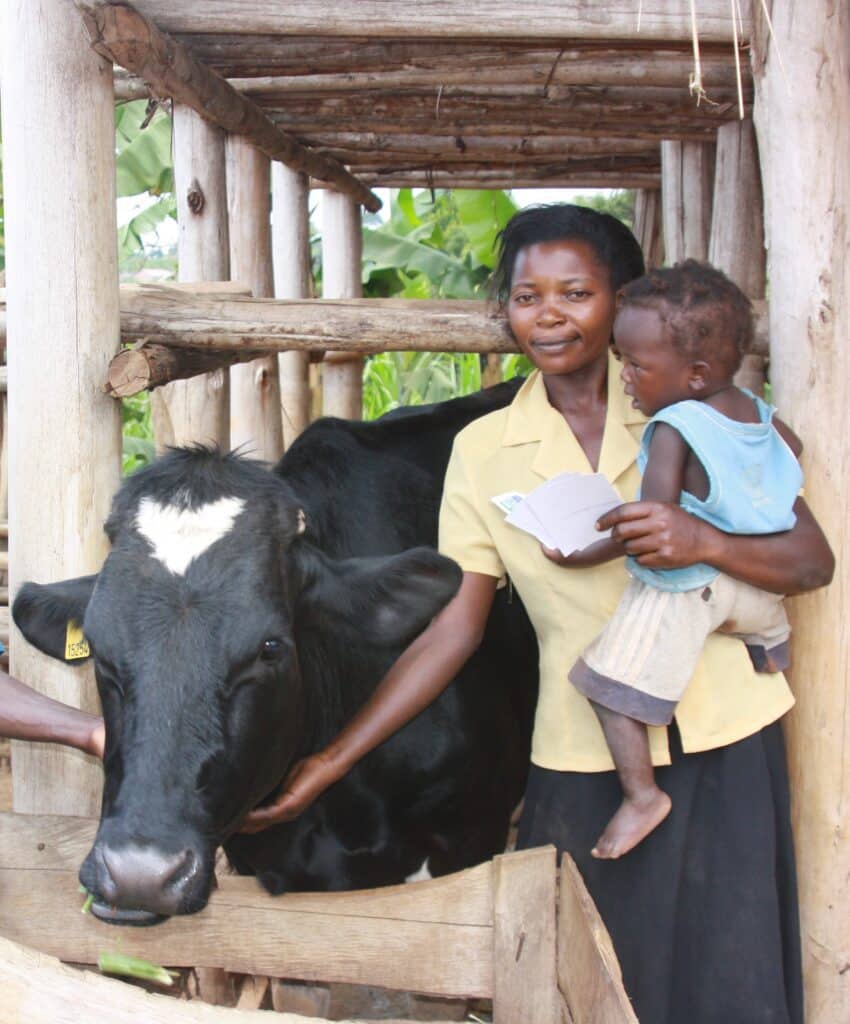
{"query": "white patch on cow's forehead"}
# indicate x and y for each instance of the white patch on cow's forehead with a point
(178, 535)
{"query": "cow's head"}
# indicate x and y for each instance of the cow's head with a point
(208, 608)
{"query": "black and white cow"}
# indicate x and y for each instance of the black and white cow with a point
(240, 618)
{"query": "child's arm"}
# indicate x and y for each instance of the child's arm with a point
(664, 475)
(662, 481)
(788, 436)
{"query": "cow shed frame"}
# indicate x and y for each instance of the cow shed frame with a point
(273, 99)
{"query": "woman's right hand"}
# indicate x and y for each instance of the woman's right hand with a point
(306, 781)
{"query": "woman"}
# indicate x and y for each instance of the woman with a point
(703, 914)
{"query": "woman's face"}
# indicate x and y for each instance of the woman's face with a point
(561, 306)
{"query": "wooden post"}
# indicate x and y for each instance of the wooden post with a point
(687, 179)
(197, 409)
(737, 226)
(62, 289)
(291, 249)
(802, 119)
(648, 225)
(254, 389)
(342, 245)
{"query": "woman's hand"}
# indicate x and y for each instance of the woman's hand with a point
(594, 554)
(659, 535)
(307, 780)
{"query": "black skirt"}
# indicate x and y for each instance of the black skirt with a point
(703, 913)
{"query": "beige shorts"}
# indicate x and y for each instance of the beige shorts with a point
(643, 660)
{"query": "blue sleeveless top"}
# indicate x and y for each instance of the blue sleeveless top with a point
(753, 480)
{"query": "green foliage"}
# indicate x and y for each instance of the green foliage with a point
(392, 379)
(620, 204)
(143, 166)
(138, 446)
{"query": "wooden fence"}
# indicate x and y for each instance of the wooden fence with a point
(515, 930)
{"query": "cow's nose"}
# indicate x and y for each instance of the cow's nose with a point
(147, 878)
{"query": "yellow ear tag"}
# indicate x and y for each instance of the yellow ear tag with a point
(76, 645)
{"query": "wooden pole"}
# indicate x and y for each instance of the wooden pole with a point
(62, 275)
(197, 409)
(292, 280)
(737, 226)
(374, 19)
(648, 229)
(123, 35)
(254, 388)
(687, 180)
(342, 246)
(802, 119)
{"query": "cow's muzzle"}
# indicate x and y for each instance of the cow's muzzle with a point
(141, 884)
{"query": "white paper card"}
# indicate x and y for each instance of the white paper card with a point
(562, 512)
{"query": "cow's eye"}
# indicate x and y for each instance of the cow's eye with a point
(272, 649)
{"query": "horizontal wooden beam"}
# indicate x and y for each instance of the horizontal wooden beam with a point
(255, 55)
(508, 178)
(433, 65)
(434, 937)
(660, 20)
(122, 35)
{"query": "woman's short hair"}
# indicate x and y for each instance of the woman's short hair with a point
(707, 316)
(615, 246)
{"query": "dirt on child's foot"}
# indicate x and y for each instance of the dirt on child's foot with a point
(634, 820)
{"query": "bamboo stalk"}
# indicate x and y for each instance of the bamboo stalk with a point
(125, 37)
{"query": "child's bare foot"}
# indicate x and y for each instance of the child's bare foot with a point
(634, 820)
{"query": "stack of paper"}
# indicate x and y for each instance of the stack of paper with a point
(562, 513)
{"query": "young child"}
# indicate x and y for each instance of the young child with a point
(723, 456)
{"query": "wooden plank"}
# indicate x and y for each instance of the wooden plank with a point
(47, 843)
(525, 986)
(273, 939)
(124, 36)
(37, 989)
(342, 254)
(627, 61)
(589, 975)
(59, 189)
(189, 411)
(255, 423)
(687, 185)
(292, 280)
(660, 20)
(803, 124)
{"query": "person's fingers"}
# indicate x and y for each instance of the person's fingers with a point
(628, 512)
(283, 809)
(554, 555)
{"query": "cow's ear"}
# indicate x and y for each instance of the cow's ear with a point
(43, 614)
(386, 601)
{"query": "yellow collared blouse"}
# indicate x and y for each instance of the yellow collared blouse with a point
(515, 449)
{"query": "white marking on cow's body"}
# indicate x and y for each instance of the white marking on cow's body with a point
(422, 875)
(178, 535)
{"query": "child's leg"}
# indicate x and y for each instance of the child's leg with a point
(644, 805)
(758, 618)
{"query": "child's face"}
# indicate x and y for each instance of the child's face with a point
(654, 373)
(561, 306)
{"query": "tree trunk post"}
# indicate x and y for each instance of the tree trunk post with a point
(342, 247)
(687, 180)
(254, 388)
(63, 314)
(802, 119)
(737, 226)
(198, 409)
(291, 248)
(648, 229)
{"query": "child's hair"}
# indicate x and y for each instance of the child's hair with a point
(707, 315)
(615, 246)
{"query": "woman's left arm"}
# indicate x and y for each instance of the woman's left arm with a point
(664, 536)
